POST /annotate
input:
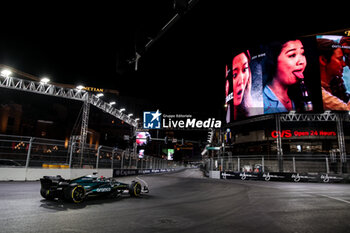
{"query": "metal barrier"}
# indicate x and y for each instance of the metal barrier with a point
(291, 163)
(33, 152)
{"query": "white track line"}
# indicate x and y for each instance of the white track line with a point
(334, 198)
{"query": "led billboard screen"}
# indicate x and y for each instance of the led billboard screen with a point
(309, 74)
(141, 153)
(170, 154)
(142, 138)
(334, 63)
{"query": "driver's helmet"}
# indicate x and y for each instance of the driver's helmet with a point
(101, 178)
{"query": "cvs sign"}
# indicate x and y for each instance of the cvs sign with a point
(282, 134)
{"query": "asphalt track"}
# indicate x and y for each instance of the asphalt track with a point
(184, 202)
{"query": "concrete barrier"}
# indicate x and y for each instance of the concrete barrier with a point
(214, 174)
(32, 174)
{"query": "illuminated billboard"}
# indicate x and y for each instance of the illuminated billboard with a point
(170, 154)
(334, 63)
(142, 138)
(309, 74)
(141, 153)
(243, 85)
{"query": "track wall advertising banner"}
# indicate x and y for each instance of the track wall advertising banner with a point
(308, 74)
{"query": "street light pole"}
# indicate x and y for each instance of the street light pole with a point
(279, 143)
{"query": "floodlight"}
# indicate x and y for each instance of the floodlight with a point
(80, 87)
(45, 80)
(6, 72)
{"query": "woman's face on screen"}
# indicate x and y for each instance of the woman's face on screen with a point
(291, 63)
(240, 77)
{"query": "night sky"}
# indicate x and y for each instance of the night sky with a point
(183, 71)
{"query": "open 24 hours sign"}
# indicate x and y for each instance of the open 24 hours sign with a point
(302, 133)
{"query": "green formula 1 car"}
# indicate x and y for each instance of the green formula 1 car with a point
(76, 190)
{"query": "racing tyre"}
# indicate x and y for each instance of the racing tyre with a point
(46, 194)
(135, 189)
(76, 194)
